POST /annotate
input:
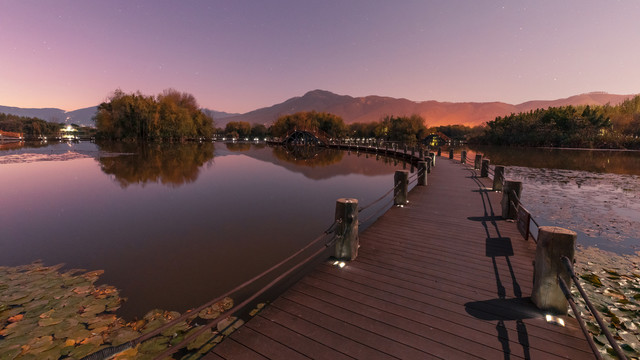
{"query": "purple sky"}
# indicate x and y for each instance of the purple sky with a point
(237, 56)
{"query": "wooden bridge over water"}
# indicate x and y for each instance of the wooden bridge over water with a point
(444, 277)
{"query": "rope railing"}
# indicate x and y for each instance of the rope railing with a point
(329, 236)
(192, 314)
(603, 327)
(515, 202)
(363, 208)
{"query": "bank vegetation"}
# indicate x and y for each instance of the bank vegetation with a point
(568, 126)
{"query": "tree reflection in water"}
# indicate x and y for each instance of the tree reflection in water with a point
(308, 155)
(169, 164)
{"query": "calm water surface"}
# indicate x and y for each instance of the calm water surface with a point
(174, 226)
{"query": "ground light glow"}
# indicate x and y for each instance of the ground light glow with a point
(554, 320)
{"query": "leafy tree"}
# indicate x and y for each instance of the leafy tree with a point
(363, 130)
(29, 126)
(332, 125)
(171, 115)
(238, 129)
(566, 126)
(408, 130)
(259, 131)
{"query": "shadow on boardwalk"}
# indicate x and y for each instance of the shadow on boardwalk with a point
(444, 277)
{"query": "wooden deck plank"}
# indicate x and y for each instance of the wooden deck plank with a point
(303, 344)
(443, 277)
(369, 336)
(264, 345)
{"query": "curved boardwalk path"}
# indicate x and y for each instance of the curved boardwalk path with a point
(444, 277)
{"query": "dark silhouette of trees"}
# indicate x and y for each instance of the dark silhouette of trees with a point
(30, 127)
(332, 125)
(237, 129)
(406, 129)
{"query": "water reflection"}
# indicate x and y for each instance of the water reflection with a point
(155, 163)
(599, 161)
(238, 146)
(308, 155)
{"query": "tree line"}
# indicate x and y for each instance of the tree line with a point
(391, 128)
(172, 115)
(31, 127)
(568, 126)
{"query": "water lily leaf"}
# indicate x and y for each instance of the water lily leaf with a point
(153, 314)
(49, 321)
(41, 344)
(93, 310)
(227, 303)
(201, 339)
(209, 313)
(154, 345)
(15, 318)
(12, 312)
(628, 348)
(36, 306)
(127, 354)
(20, 328)
(83, 350)
(593, 279)
(123, 335)
(230, 324)
(154, 324)
(102, 320)
(10, 352)
(95, 339)
(176, 329)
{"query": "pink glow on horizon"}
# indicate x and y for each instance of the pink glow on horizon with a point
(237, 56)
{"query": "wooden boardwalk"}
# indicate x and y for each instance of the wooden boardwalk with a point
(443, 277)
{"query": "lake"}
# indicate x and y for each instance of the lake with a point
(174, 226)
(593, 192)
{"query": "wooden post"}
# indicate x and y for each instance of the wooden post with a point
(413, 151)
(347, 229)
(422, 173)
(401, 187)
(498, 177)
(478, 162)
(508, 197)
(439, 151)
(553, 243)
(405, 149)
(485, 168)
(421, 153)
(432, 155)
(450, 153)
(386, 148)
(427, 160)
(463, 157)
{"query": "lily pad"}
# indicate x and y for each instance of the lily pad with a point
(593, 279)
(154, 345)
(201, 339)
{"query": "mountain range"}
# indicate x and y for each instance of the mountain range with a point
(356, 109)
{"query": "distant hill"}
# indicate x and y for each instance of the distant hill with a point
(83, 117)
(355, 109)
(373, 108)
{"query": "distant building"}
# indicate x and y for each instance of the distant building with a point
(69, 133)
